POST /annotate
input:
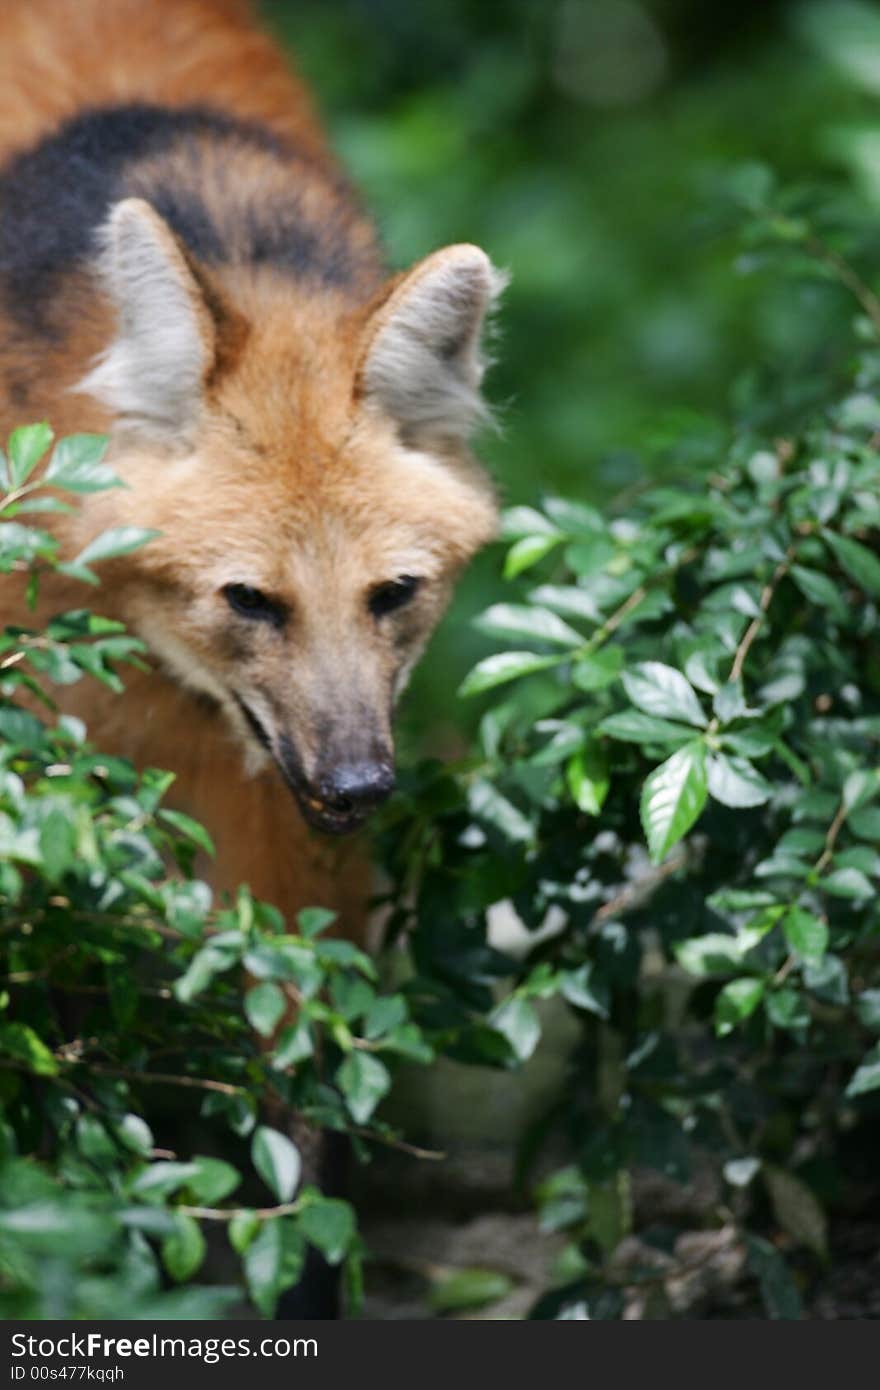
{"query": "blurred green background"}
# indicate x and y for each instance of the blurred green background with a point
(598, 148)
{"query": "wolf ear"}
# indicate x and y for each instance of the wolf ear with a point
(421, 361)
(152, 374)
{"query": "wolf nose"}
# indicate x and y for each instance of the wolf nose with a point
(355, 786)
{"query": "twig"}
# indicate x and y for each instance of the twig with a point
(221, 1214)
(639, 889)
(785, 969)
(392, 1142)
(831, 838)
(766, 599)
(847, 277)
(156, 1078)
(613, 622)
(680, 1271)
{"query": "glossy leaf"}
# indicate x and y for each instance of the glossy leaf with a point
(673, 797)
(662, 691)
(276, 1159)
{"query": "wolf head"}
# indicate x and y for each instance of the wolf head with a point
(305, 460)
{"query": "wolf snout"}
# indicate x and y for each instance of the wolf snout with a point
(356, 787)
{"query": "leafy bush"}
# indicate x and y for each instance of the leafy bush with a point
(122, 980)
(679, 772)
(676, 774)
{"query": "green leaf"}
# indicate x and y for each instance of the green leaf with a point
(729, 702)
(805, 933)
(867, 1075)
(57, 844)
(661, 690)
(119, 540)
(189, 828)
(827, 979)
(487, 804)
(860, 787)
(575, 518)
(673, 797)
(868, 1009)
(329, 1224)
(632, 726)
(407, 1041)
(385, 1013)
(735, 1002)
(162, 1178)
(567, 599)
(273, 1261)
(860, 563)
(202, 969)
(469, 1288)
(525, 521)
(567, 739)
(778, 1290)
(588, 779)
(295, 1044)
(265, 1005)
(589, 557)
(242, 1229)
(735, 782)
(277, 1161)
(847, 883)
(76, 464)
(796, 1209)
(821, 590)
(135, 1134)
(500, 668)
(520, 620)
(527, 552)
(597, 669)
(19, 1040)
(363, 1080)
(94, 1142)
(314, 920)
(27, 445)
(184, 1250)
(213, 1180)
(584, 990)
(787, 1008)
(801, 841)
(714, 953)
(517, 1021)
(866, 823)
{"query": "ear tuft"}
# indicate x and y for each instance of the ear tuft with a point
(422, 362)
(152, 374)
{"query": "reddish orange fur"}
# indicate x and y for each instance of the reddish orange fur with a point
(59, 56)
(290, 477)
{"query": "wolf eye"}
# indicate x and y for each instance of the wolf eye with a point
(386, 598)
(251, 603)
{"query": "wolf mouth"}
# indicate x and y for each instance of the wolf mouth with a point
(342, 819)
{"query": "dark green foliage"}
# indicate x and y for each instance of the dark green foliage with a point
(679, 763)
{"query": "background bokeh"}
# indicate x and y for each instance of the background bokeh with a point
(598, 149)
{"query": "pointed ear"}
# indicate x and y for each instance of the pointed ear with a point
(152, 374)
(420, 357)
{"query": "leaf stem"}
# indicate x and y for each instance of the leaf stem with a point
(764, 602)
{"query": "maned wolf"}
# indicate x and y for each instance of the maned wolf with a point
(183, 267)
